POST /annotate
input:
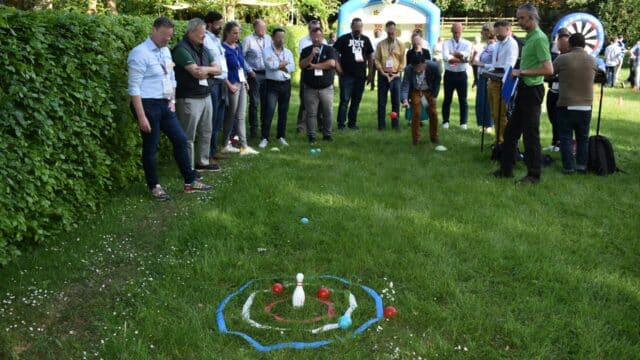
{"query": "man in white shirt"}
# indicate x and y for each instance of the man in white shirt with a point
(455, 53)
(213, 43)
(252, 47)
(612, 59)
(503, 58)
(302, 114)
(279, 65)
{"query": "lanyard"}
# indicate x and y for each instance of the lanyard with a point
(283, 58)
(161, 62)
(391, 48)
(318, 54)
(258, 42)
(457, 45)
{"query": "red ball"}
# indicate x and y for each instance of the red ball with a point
(277, 288)
(390, 312)
(393, 115)
(323, 293)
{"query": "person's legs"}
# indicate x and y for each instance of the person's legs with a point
(254, 102)
(461, 89)
(512, 133)
(326, 104)
(432, 110)
(383, 89)
(610, 75)
(346, 88)
(217, 117)
(203, 133)
(395, 101)
(311, 101)
(531, 130)
(552, 112)
(188, 119)
(262, 80)
(284, 95)
(416, 110)
(356, 97)
(150, 141)
(498, 109)
(301, 126)
(170, 126)
(564, 132)
(271, 88)
(581, 128)
(448, 95)
(230, 116)
(241, 128)
(483, 113)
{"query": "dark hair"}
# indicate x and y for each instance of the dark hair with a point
(501, 23)
(212, 16)
(315, 30)
(576, 40)
(162, 22)
(417, 31)
(314, 23)
(277, 30)
(227, 29)
(532, 10)
(355, 20)
(389, 23)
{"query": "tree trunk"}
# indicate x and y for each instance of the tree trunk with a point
(230, 10)
(111, 4)
(93, 7)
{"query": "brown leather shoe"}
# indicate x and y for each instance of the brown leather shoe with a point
(218, 156)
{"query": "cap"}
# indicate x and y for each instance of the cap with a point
(563, 32)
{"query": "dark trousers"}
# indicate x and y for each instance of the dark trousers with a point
(257, 96)
(552, 112)
(278, 93)
(455, 81)
(351, 90)
(570, 121)
(611, 76)
(162, 119)
(524, 121)
(383, 88)
(218, 99)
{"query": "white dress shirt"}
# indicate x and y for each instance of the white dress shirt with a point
(272, 64)
(213, 44)
(150, 67)
(505, 54)
(451, 46)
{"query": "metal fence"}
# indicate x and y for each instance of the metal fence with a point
(473, 21)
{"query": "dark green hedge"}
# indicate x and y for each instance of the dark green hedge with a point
(66, 133)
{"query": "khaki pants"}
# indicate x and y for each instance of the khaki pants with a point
(195, 117)
(497, 106)
(416, 110)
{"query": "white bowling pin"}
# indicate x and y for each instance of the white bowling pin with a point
(298, 293)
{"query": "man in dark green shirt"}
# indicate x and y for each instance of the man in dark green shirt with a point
(535, 64)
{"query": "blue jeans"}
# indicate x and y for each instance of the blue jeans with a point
(455, 81)
(278, 92)
(383, 88)
(257, 96)
(162, 119)
(611, 76)
(218, 91)
(570, 121)
(483, 112)
(351, 89)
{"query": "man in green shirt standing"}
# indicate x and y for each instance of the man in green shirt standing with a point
(535, 64)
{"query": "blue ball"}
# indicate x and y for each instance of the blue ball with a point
(304, 220)
(344, 322)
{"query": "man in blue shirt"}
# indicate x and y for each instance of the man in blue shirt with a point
(152, 90)
(252, 47)
(213, 43)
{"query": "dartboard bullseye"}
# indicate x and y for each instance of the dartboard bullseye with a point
(585, 24)
(283, 317)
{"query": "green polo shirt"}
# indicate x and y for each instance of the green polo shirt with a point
(182, 57)
(534, 53)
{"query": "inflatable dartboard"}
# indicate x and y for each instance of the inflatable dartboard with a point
(586, 24)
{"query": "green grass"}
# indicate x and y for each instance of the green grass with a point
(546, 271)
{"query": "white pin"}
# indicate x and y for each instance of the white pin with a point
(298, 293)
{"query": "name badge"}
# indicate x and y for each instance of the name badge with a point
(203, 82)
(167, 88)
(241, 76)
(388, 65)
(317, 72)
(357, 53)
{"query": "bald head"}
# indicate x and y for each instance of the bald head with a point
(456, 30)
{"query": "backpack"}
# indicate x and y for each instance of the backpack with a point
(601, 160)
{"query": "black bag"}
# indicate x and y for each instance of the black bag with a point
(601, 159)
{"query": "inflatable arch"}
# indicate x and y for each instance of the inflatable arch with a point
(407, 14)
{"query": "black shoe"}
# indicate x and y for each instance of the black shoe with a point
(327, 138)
(354, 128)
(341, 127)
(528, 180)
(501, 174)
(312, 141)
(210, 167)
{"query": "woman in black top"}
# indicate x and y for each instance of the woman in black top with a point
(417, 48)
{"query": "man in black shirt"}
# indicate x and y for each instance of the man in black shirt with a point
(355, 57)
(318, 69)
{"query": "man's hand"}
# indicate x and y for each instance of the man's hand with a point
(516, 72)
(233, 88)
(143, 124)
(283, 65)
(252, 74)
(405, 103)
(172, 106)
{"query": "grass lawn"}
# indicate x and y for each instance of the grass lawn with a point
(477, 267)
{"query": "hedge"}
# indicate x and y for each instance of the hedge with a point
(67, 137)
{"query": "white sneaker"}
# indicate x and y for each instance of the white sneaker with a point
(463, 126)
(445, 125)
(263, 143)
(441, 148)
(548, 148)
(489, 130)
(556, 149)
(248, 150)
(230, 149)
(283, 142)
